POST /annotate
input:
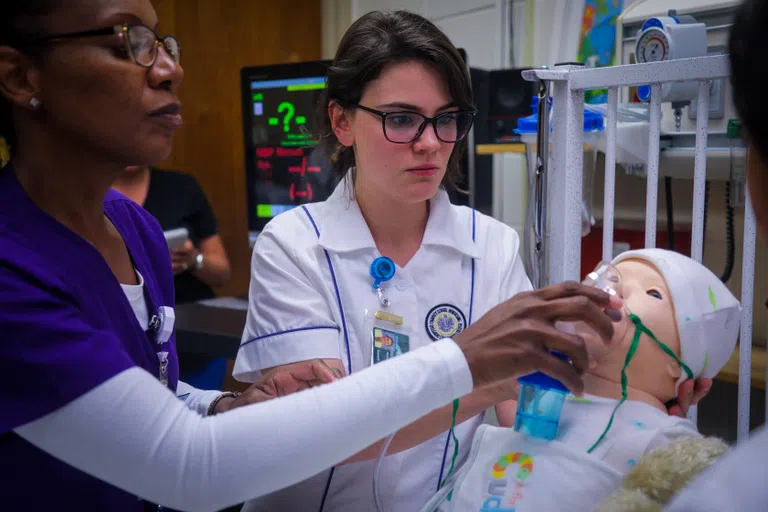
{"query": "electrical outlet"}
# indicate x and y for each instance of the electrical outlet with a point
(620, 247)
(716, 93)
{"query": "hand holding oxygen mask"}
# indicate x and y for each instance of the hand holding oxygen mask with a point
(605, 277)
(515, 338)
(541, 397)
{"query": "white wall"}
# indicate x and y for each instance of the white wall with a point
(545, 32)
(478, 26)
(644, 9)
(337, 16)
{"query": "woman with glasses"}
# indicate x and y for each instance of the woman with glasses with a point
(93, 414)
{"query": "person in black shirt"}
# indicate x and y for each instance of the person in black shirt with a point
(176, 200)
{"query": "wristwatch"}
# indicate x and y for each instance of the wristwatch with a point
(212, 407)
(199, 261)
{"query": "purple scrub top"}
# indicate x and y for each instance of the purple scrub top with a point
(66, 326)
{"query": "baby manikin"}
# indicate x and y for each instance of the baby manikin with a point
(679, 322)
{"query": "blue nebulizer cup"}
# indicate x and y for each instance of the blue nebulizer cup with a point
(539, 404)
(541, 397)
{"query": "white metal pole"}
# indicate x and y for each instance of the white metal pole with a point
(700, 172)
(747, 300)
(699, 181)
(652, 190)
(609, 194)
(574, 185)
(556, 190)
(564, 182)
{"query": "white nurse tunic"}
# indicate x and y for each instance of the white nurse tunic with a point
(309, 293)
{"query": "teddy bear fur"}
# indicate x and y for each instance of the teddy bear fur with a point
(659, 475)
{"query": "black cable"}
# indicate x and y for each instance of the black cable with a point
(670, 214)
(730, 236)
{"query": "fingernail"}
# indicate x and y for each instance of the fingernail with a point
(614, 315)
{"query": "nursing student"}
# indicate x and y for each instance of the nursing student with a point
(89, 380)
(386, 265)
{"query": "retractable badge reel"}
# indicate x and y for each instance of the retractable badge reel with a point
(541, 398)
(385, 326)
(162, 325)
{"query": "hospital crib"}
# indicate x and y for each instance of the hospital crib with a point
(554, 249)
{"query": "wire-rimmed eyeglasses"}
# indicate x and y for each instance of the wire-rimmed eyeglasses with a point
(141, 42)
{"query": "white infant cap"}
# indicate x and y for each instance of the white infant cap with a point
(708, 315)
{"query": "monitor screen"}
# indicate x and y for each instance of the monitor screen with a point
(283, 170)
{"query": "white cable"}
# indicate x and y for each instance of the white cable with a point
(379, 463)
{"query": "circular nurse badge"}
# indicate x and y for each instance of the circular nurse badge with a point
(444, 321)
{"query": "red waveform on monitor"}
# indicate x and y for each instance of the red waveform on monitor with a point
(289, 152)
(303, 169)
(265, 152)
(305, 195)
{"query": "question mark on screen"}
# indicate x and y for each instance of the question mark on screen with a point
(289, 111)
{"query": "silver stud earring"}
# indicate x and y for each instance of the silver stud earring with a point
(34, 103)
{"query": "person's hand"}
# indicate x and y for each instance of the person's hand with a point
(283, 381)
(183, 258)
(689, 393)
(515, 338)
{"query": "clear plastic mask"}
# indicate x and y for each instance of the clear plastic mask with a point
(608, 278)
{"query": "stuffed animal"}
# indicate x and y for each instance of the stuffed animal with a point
(658, 476)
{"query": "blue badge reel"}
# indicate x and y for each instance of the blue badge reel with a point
(388, 338)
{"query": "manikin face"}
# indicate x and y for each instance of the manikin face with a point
(645, 294)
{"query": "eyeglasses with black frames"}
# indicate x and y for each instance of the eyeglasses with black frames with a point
(404, 127)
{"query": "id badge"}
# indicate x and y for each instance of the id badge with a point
(388, 343)
(387, 336)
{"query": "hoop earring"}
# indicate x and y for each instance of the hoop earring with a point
(34, 103)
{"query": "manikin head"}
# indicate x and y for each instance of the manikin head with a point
(686, 308)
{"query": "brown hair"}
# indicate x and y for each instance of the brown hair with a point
(373, 41)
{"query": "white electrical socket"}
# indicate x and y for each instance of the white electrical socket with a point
(620, 247)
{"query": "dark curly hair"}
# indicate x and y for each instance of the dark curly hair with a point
(18, 22)
(747, 48)
(376, 39)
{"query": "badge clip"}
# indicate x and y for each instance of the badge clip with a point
(162, 324)
(382, 270)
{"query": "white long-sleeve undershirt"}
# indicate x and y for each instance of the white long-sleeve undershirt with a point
(133, 433)
(199, 400)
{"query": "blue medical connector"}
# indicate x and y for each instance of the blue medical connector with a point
(540, 404)
(593, 122)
